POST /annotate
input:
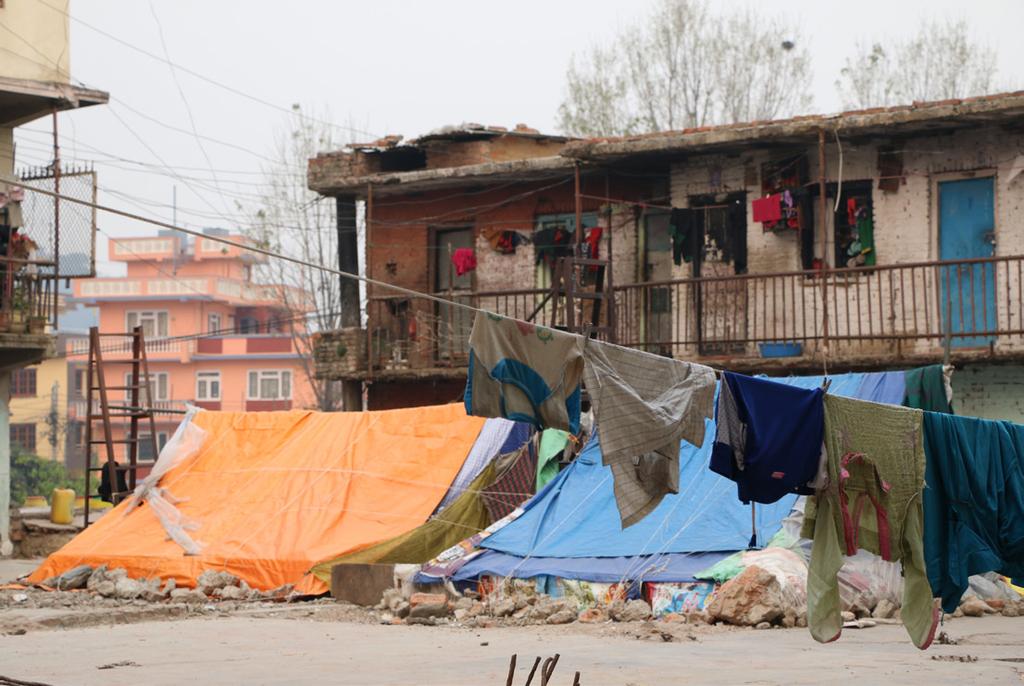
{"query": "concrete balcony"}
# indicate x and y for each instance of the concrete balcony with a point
(230, 291)
(253, 346)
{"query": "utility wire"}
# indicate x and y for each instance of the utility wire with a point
(194, 73)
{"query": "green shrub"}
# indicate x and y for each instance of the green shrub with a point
(32, 475)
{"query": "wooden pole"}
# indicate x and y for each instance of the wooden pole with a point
(822, 212)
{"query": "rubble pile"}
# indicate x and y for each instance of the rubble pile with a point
(116, 584)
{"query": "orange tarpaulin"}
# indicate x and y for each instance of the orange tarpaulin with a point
(276, 492)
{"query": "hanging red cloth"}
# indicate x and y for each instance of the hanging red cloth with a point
(768, 210)
(593, 241)
(464, 260)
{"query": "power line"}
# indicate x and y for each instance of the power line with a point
(240, 246)
(184, 100)
(196, 74)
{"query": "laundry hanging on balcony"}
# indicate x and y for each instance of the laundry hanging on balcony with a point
(683, 231)
(551, 243)
(464, 260)
(504, 241)
(767, 210)
(524, 372)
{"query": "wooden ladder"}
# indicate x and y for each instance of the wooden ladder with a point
(99, 409)
(568, 286)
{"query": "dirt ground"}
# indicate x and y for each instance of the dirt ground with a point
(75, 638)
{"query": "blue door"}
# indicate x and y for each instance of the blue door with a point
(966, 231)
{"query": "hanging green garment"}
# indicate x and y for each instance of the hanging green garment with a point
(552, 443)
(973, 502)
(866, 238)
(876, 468)
(926, 389)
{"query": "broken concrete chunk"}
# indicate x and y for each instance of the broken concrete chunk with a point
(562, 617)
(230, 593)
(885, 609)
(630, 611)
(975, 607)
(105, 588)
(191, 596)
(593, 615)
(753, 596)
(210, 581)
(429, 610)
(77, 577)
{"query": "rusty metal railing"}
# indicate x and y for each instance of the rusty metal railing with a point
(921, 307)
(27, 295)
(910, 307)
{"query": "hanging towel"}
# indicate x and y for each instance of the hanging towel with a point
(973, 502)
(524, 372)
(552, 445)
(644, 405)
(769, 437)
(464, 260)
(767, 210)
(876, 468)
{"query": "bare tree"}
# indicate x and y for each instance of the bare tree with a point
(295, 221)
(687, 66)
(940, 62)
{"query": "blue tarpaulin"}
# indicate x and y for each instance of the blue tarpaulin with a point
(576, 516)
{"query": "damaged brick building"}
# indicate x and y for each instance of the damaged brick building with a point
(874, 239)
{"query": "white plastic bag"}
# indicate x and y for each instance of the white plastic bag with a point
(183, 445)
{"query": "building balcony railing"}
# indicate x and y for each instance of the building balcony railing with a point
(169, 410)
(27, 296)
(185, 348)
(864, 316)
(157, 349)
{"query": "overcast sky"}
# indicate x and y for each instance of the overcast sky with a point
(381, 66)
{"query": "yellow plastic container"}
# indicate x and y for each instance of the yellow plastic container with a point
(35, 501)
(62, 506)
(97, 504)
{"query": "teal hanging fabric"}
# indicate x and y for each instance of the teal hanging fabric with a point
(926, 389)
(552, 443)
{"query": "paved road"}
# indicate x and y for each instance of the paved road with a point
(290, 651)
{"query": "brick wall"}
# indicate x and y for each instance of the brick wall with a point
(990, 391)
(905, 231)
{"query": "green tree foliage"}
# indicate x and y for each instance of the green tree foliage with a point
(32, 475)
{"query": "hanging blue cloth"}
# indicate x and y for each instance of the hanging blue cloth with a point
(769, 437)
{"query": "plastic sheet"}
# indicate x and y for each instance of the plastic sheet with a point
(182, 446)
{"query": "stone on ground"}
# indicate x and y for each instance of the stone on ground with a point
(748, 599)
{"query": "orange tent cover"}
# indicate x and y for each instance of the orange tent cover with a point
(276, 492)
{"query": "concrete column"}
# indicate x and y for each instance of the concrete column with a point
(6, 547)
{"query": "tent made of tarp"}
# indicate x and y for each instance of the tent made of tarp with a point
(464, 516)
(274, 493)
(576, 516)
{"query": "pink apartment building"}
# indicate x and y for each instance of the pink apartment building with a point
(214, 338)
